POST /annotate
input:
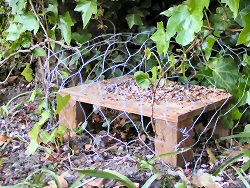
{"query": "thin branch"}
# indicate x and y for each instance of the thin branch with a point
(6, 79)
(37, 17)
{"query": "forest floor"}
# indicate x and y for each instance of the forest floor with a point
(17, 167)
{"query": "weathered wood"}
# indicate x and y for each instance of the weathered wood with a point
(74, 114)
(168, 135)
(94, 93)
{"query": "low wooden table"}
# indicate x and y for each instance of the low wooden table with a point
(169, 116)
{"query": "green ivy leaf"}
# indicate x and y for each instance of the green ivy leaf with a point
(61, 102)
(240, 18)
(35, 131)
(208, 44)
(87, 8)
(39, 52)
(134, 19)
(46, 137)
(161, 38)
(244, 37)
(221, 20)
(65, 25)
(233, 5)
(28, 73)
(148, 53)
(197, 5)
(142, 79)
(185, 21)
(81, 37)
(235, 114)
(225, 73)
(14, 32)
(53, 8)
(28, 22)
(17, 6)
(20, 24)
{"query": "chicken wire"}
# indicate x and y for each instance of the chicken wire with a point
(117, 55)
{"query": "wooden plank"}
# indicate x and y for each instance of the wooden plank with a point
(167, 137)
(68, 116)
(95, 94)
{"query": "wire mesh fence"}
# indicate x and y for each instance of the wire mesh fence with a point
(130, 117)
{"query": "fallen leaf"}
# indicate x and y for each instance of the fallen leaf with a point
(120, 185)
(3, 139)
(206, 180)
(143, 137)
(62, 181)
(88, 147)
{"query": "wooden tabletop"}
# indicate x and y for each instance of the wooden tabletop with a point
(95, 93)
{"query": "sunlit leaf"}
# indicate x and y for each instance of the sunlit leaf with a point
(17, 6)
(28, 73)
(180, 185)
(142, 79)
(185, 20)
(208, 44)
(87, 9)
(148, 53)
(233, 5)
(161, 39)
(53, 8)
(240, 18)
(28, 22)
(39, 52)
(14, 32)
(44, 117)
(154, 71)
(134, 19)
(244, 37)
(61, 102)
(65, 25)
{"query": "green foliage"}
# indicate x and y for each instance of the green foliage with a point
(192, 32)
(225, 73)
(108, 174)
(233, 5)
(87, 9)
(161, 39)
(61, 102)
(21, 24)
(134, 19)
(65, 25)
(244, 37)
(17, 6)
(28, 73)
(142, 79)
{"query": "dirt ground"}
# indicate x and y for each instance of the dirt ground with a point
(79, 152)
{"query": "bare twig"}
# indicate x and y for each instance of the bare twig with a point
(37, 17)
(6, 79)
